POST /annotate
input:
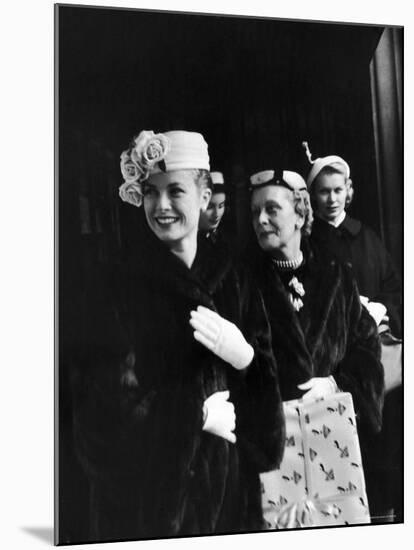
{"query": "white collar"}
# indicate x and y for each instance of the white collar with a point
(339, 219)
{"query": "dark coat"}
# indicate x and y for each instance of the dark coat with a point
(332, 335)
(138, 394)
(373, 268)
(378, 280)
(219, 239)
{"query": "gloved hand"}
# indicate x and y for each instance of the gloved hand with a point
(219, 415)
(318, 387)
(377, 310)
(221, 337)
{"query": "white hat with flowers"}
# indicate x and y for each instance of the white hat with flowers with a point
(152, 153)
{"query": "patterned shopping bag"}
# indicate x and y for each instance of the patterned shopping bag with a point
(321, 480)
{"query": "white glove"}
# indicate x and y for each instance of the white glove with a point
(220, 418)
(375, 309)
(221, 337)
(318, 387)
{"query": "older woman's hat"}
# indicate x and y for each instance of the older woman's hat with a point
(285, 178)
(320, 163)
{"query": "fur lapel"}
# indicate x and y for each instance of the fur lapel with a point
(302, 338)
(158, 266)
(282, 309)
(326, 282)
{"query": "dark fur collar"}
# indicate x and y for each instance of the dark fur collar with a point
(160, 268)
(306, 335)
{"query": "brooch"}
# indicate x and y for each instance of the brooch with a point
(297, 293)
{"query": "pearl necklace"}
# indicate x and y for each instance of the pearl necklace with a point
(289, 265)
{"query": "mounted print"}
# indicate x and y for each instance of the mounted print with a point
(229, 266)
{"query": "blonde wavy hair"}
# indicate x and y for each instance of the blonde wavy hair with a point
(303, 207)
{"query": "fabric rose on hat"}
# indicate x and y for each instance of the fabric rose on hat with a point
(131, 192)
(145, 152)
(130, 169)
(150, 148)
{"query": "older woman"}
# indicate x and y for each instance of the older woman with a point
(323, 339)
(177, 400)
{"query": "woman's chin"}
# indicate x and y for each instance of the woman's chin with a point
(167, 233)
(268, 247)
(332, 215)
(268, 241)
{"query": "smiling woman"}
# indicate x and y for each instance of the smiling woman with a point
(172, 203)
(177, 403)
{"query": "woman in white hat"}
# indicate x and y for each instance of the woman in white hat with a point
(177, 405)
(323, 340)
(351, 241)
(332, 191)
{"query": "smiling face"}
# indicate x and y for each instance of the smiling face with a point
(172, 204)
(211, 218)
(329, 195)
(275, 221)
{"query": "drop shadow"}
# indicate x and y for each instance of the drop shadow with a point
(43, 533)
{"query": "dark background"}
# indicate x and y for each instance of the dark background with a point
(255, 88)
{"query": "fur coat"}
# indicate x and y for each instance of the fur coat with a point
(139, 385)
(333, 334)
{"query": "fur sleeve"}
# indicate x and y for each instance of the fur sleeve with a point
(120, 421)
(260, 419)
(361, 372)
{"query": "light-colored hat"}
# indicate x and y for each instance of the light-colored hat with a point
(320, 163)
(284, 178)
(154, 153)
(188, 150)
(217, 178)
